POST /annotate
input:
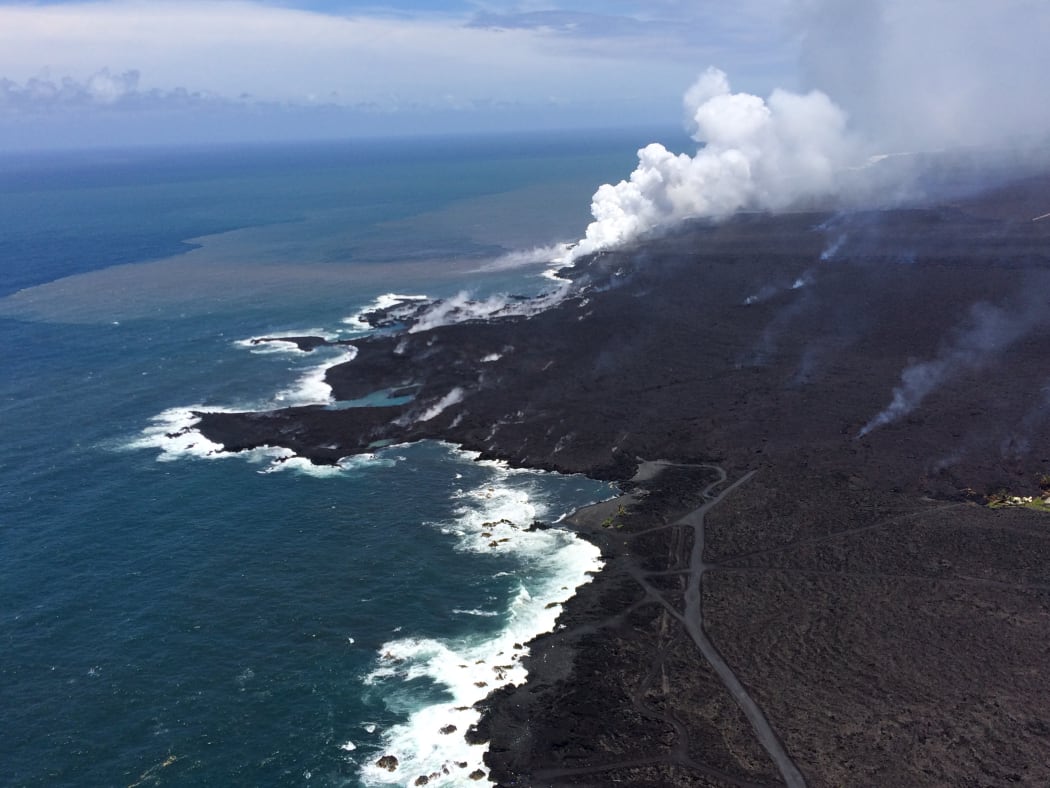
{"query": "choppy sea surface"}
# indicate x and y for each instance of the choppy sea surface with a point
(173, 618)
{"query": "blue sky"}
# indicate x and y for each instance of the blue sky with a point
(118, 71)
(111, 72)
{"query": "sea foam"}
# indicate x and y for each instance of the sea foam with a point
(492, 517)
(173, 432)
(311, 387)
(276, 343)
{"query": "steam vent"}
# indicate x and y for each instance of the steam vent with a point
(838, 573)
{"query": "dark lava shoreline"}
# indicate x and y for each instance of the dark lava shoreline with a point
(891, 628)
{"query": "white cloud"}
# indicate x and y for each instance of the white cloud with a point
(371, 71)
(748, 36)
(282, 54)
(102, 90)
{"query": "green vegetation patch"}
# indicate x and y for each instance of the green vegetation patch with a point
(1002, 500)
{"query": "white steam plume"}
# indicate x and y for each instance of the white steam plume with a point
(759, 154)
(454, 397)
(990, 331)
(461, 308)
(932, 74)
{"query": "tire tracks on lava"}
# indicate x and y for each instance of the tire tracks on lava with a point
(692, 620)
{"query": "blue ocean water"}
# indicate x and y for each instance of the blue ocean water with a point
(171, 620)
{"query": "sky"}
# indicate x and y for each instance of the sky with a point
(113, 72)
(118, 71)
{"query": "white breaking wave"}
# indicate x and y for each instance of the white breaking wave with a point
(354, 462)
(270, 345)
(174, 434)
(311, 388)
(493, 517)
(277, 343)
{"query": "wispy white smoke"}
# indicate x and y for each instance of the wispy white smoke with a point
(545, 255)
(1019, 443)
(932, 74)
(990, 331)
(458, 309)
(461, 307)
(832, 249)
(454, 397)
(911, 75)
(755, 153)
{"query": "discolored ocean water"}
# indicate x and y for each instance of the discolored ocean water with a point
(173, 618)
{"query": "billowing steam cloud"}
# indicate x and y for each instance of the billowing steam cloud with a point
(989, 332)
(755, 154)
(911, 75)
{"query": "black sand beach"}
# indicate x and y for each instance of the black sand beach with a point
(852, 611)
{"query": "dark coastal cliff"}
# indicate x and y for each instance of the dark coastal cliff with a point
(889, 626)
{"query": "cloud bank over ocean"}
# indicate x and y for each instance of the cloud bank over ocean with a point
(100, 90)
(319, 70)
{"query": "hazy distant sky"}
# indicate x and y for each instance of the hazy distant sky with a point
(119, 71)
(76, 73)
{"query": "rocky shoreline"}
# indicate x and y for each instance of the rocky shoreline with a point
(882, 374)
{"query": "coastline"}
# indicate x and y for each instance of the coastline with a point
(433, 745)
(525, 724)
(871, 607)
